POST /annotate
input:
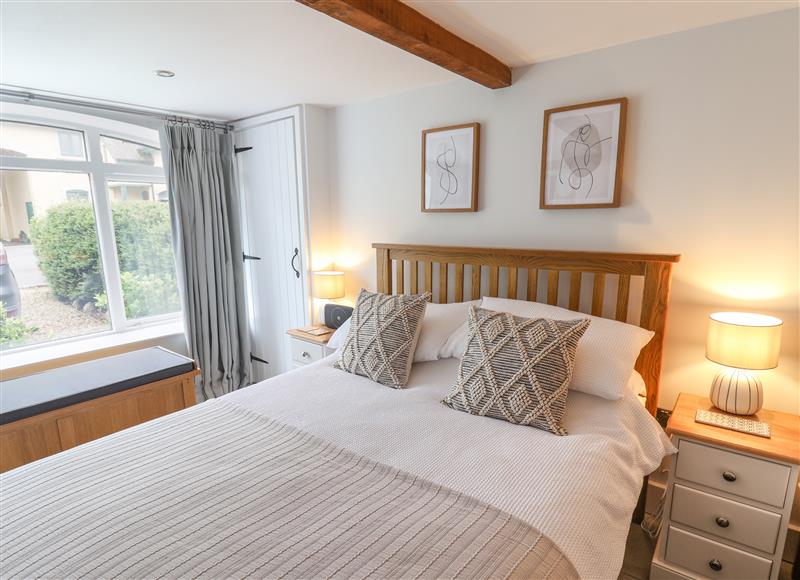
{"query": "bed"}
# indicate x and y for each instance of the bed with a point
(319, 473)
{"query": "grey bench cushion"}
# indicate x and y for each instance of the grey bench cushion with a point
(58, 388)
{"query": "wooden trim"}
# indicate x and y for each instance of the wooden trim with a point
(623, 111)
(400, 25)
(476, 150)
(655, 301)
(656, 269)
(189, 391)
(488, 256)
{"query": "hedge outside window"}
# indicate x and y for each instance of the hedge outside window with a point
(86, 237)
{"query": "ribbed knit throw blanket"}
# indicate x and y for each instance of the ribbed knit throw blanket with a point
(217, 491)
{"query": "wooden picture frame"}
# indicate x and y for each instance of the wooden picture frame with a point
(572, 175)
(450, 178)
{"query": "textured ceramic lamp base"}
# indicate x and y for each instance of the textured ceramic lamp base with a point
(736, 391)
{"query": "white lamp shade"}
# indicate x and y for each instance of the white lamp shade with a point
(743, 340)
(327, 285)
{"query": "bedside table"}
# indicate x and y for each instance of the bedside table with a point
(728, 499)
(307, 348)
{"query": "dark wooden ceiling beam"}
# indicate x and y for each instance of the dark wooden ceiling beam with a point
(400, 25)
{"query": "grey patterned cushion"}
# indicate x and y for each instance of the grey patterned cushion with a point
(383, 336)
(517, 369)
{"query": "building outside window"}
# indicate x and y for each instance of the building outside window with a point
(84, 226)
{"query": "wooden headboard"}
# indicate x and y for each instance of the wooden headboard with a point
(460, 269)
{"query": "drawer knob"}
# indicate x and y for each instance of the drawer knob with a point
(305, 354)
(728, 476)
(722, 522)
(715, 565)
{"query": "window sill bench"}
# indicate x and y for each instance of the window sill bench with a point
(38, 359)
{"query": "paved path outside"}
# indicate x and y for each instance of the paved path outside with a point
(25, 266)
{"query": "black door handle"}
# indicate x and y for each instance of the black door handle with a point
(296, 271)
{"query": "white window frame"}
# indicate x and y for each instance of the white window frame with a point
(99, 174)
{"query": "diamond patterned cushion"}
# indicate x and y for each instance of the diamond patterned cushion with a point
(517, 369)
(383, 336)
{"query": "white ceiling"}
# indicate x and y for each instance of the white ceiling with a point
(235, 59)
(526, 32)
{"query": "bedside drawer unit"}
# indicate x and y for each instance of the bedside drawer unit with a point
(713, 559)
(725, 518)
(660, 573)
(757, 479)
(729, 497)
(306, 352)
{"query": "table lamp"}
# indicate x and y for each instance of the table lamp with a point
(327, 284)
(742, 342)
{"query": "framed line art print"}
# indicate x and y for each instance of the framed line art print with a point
(450, 168)
(582, 152)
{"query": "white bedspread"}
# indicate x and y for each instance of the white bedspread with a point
(580, 490)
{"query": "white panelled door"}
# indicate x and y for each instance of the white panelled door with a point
(270, 182)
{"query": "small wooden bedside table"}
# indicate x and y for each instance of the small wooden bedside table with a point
(307, 348)
(728, 499)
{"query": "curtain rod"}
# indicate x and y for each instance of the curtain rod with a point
(30, 97)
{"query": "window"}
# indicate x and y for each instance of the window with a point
(122, 151)
(143, 235)
(86, 243)
(40, 141)
(71, 144)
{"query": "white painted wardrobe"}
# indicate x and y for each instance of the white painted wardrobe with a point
(282, 163)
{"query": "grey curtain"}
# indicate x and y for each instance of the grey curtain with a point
(206, 220)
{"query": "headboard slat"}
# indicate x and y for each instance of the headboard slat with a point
(428, 265)
(598, 293)
(443, 282)
(494, 280)
(656, 269)
(533, 284)
(476, 281)
(552, 287)
(575, 290)
(623, 290)
(401, 277)
(512, 283)
(459, 283)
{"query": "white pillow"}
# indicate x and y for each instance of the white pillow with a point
(636, 385)
(438, 325)
(443, 334)
(339, 335)
(606, 354)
